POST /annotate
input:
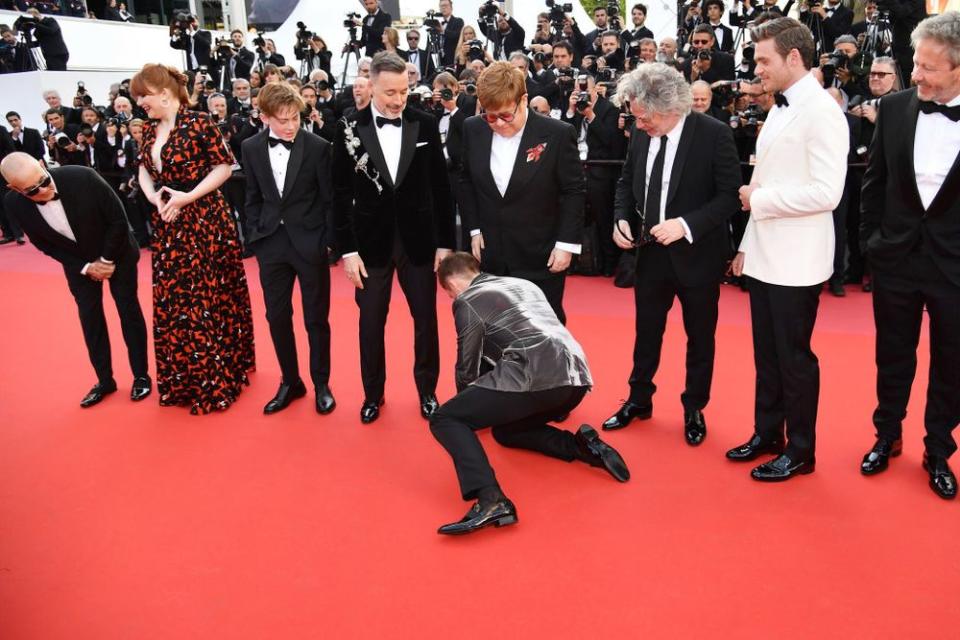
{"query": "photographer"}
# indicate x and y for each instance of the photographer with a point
(723, 33)
(705, 62)
(47, 36)
(138, 209)
(316, 118)
(703, 101)
(317, 54)
(873, 34)
(827, 21)
(507, 37)
(14, 55)
(638, 16)
(565, 74)
(376, 20)
(611, 54)
(235, 59)
(61, 139)
(842, 68)
(600, 21)
(240, 98)
(186, 35)
(267, 52)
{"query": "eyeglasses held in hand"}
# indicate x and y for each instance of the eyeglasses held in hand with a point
(645, 236)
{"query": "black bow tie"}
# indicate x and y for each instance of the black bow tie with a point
(56, 196)
(382, 121)
(286, 143)
(781, 100)
(928, 106)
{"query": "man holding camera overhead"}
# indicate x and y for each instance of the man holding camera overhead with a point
(506, 33)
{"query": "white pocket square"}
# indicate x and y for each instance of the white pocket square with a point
(422, 144)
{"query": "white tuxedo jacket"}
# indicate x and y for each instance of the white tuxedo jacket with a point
(801, 167)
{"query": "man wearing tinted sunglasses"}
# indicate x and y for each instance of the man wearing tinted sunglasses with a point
(72, 215)
(522, 188)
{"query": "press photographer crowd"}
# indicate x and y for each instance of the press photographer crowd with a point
(753, 154)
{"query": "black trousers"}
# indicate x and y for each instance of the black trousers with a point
(898, 303)
(552, 287)
(518, 420)
(280, 266)
(856, 267)
(601, 186)
(57, 63)
(89, 296)
(8, 224)
(840, 237)
(788, 373)
(655, 288)
(419, 285)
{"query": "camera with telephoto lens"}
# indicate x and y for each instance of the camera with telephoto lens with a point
(259, 41)
(303, 37)
(446, 94)
(62, 140)
(25, 24)
(835, 60)
(608, 74)
(565, 78)
(489, 11)
(725, 92)
(470, 88)
(352, 17)
(558, 14)
(583, 101)
(748, 120)
(430, 20)
(703, 55)
(476, 50)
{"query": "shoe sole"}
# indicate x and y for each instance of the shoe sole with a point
(591, 435)
(504, 521)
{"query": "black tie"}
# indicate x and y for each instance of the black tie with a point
(382, 121)
(56, 196)
(927, 106)
(651, 210)
(781, 100)
(286, 143)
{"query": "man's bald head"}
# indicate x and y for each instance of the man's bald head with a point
(540, 105)
(23, 172)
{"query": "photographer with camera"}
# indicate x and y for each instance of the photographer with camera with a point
(705, 62)
(373, 24)
(611, 54)
(46, 35)
(234, 58)
(186, 35)
(14, 54)
(316, 118)
(61, 139)
(317, 55)
(874, 35)
(267, 52)
(827, 20)
(703, 101)
(601, 22)
(240, 97)
(844, 69)
(418, 57)
(507, 35)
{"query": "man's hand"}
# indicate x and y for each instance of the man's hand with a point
(99, 270)
(441, 254)
(353, 267)
(316, 117)
(622, 236)
(736, 265)
(869, 112)
(559, 260)
(668, 231)
(476, 246)
(843, 75)
(745, 192)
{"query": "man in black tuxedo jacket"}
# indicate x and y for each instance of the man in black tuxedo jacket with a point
(522, 188)
(195, 43)
(910, 227)
(50, 41)
(419, 57)
(831, 19)
(24, 138)
(637, 31)
(373, 24)
(675, 213)
(722, 33)
(289, 208)
(72, 215)
(715, 65)
(452, 26)
(507, 37)
(237, 63)
(393, 213)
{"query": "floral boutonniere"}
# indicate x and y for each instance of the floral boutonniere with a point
(534, 153)
(361, 164)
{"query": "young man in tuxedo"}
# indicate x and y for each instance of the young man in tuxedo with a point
(675, 213)
(721, 32)
(394, 213)
(24, 138)
(452, 26)
(72, 215)
(637, 32)
(289, 207)
(508, 345)
(373, 24)
(910, 226)
(787, 247)
(522, 188)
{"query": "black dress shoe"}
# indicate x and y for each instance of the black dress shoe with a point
(942, 480)
(499, 514)
(428, 405)
(878, 458)
(370, 410)
(628, 411)
(286, 394)
(836, 288)
(694, 427)
(754, 448)
(325, 401)
(597, 453)
(782, 468)
(141, 388)
(21, 241)
(98, 393)
(6, 240)
(867, 286)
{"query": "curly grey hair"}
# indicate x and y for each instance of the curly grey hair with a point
(944, 29)
(657, 87)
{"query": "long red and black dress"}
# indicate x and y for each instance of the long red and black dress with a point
(202, 325)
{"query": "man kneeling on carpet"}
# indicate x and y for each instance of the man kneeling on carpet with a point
(517, 368)
(72, 215)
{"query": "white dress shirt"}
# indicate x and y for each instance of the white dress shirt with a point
(55, 215)
(673, 143)
(935, 149)
(444, 126)
(413, 57)
(279, 158)
(391, 141)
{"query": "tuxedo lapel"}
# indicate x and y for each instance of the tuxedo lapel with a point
(368, 136)
(787, 117)
(909, 178)
(683, 152)
(640, 167)
(524, 168)
(408, 146)
(293, 164)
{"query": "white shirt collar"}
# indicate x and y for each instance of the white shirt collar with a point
(674, 134)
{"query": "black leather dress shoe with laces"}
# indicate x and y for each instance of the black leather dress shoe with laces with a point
(694, 427)
(499, 514)
(141, 388)
(370, 410)
(627, 412)
(325, 401)
(782, 468)
(942, 480)
(878, 458)
(597, 453)
(98, 393)
(286, 394)
(754, 448)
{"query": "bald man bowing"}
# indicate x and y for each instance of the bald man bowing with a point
(72, 215)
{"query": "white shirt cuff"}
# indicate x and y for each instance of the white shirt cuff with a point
(569, 248)
(83, 271)
(105, 261)
(474, 232)
(351, 254)
(686, 230)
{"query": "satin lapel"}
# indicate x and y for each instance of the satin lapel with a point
(266, 171)
(371, 144)
(524, 170)
(683, 152)
(408, 147)
(293, 163)
(481, 158)
(640, 165)
(910, 176)
(71, 207)
(786, 119)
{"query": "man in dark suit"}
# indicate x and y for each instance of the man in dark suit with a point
(507, 37)
(522, 188)
(508, 345)
(236, 60)
(289, 208)
(722, 33)
(50, 41)
(637, 31)
(706, 62)
(827, 19)
(675, 213)
(393, 213)
(419, 57)
(600, 21)
(72, 215)
(373, 24)
(195, 43)
(910, 224)
(452, 26)
(24, 138)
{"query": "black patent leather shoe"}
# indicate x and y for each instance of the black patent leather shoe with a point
(98, 393)
(428, 405)
(694, 427)
(370, 410)
(597, 453)
(781, 468)
(942, 480)
(755, 447)
(286, 394)
(6, 240)
(141, 388)
(325, 400)
(628, 411)
(499, 514)
(878, 458)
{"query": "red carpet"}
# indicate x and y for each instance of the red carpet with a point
(135, 522)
